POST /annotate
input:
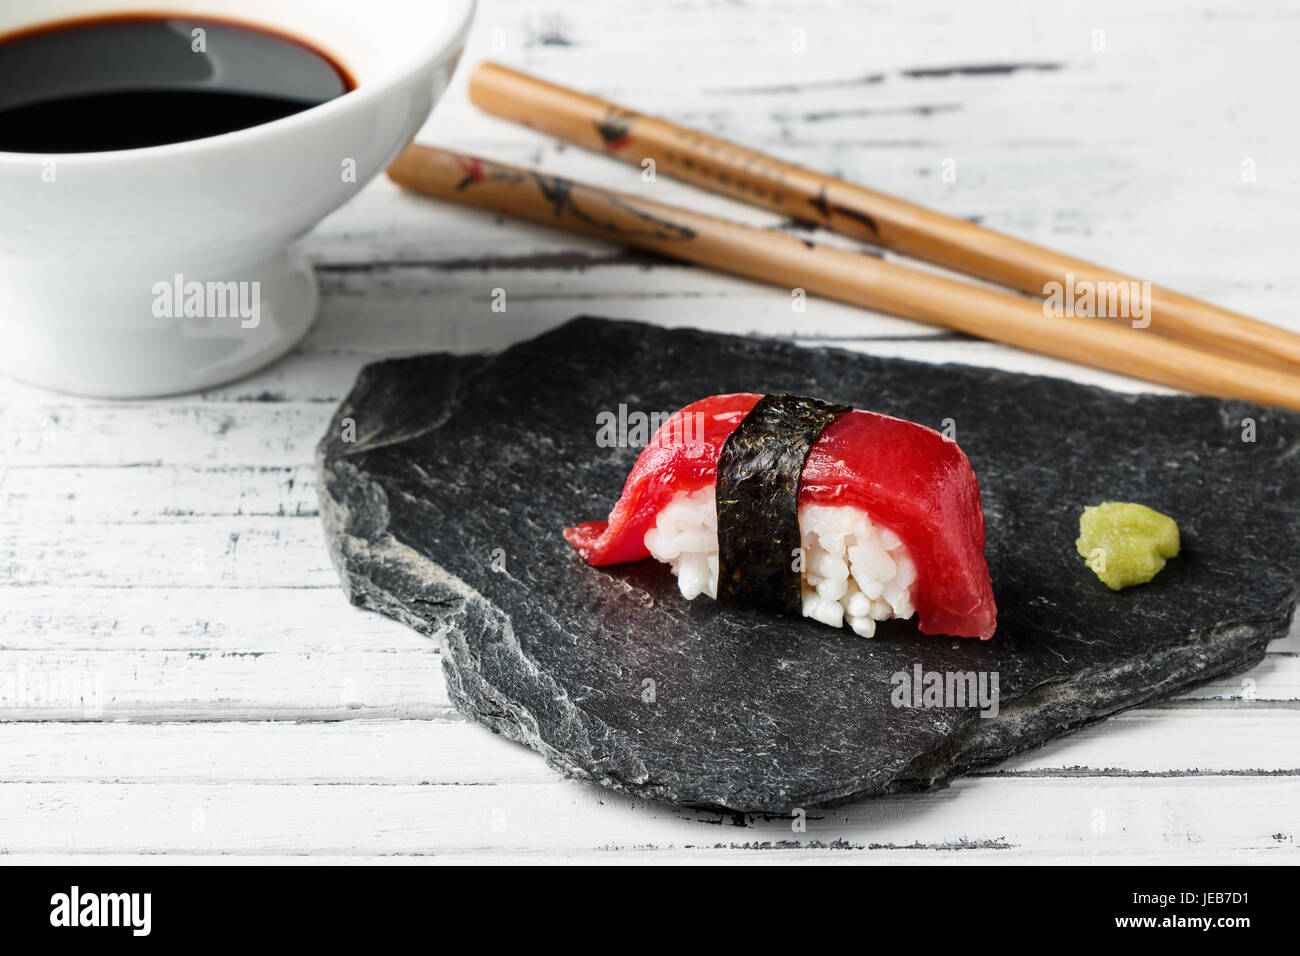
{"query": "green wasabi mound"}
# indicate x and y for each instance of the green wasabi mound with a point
(1126, 543)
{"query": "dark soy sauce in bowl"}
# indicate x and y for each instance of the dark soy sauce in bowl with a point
(125, 82)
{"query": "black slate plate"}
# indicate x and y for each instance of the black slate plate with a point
(445, 511)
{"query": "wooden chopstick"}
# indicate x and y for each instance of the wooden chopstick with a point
(862, 213)
(862, 280)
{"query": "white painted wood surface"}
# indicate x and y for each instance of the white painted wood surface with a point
(180, 674)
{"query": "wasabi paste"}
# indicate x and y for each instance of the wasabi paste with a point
(1126, 543)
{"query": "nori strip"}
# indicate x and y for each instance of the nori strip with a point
(759, 473)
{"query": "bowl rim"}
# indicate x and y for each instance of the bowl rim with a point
(445, 40)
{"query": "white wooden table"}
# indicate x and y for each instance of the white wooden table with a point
(180, 673)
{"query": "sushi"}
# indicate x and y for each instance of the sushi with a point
(798, 506)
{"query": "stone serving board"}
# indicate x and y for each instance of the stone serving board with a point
(445, 482)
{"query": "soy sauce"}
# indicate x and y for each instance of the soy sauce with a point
(124, 82)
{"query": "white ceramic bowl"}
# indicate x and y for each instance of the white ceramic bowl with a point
(88, 241)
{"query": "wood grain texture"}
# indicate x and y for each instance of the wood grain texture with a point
(162, 561)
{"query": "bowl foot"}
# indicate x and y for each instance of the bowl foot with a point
(110, 335)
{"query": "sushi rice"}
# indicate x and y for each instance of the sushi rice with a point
(854, 571)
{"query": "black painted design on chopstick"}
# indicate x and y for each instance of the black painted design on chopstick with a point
(823, 205)
(615, 128)
(624, 218)
(859, 217)
(473, 169)
(559, 192)
(759, 473)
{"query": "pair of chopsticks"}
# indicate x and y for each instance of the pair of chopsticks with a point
(1184, 343)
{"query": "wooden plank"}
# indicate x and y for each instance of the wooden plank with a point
(201, 553)
(754, 855)
(388, 672)
(1140, 743)
(1115, 819)
(256, 684)
(163, 492)
(74, 620)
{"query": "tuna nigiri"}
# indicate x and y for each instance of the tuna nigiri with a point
(797, 505)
